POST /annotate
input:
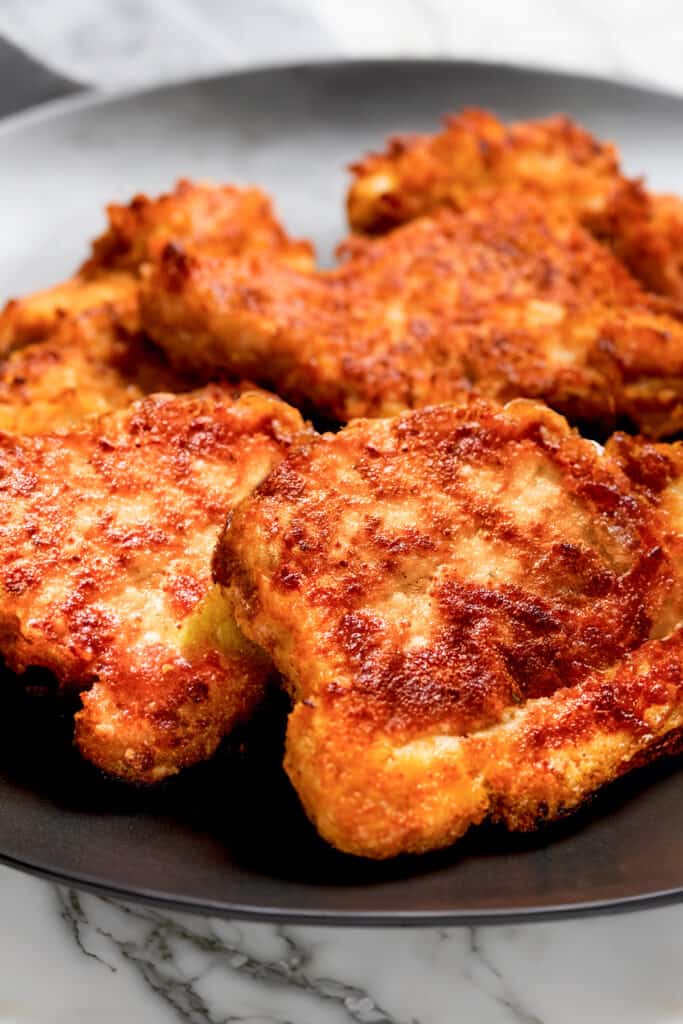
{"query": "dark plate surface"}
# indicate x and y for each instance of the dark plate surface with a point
(228, 837)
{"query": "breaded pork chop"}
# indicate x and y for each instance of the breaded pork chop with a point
(417, 174)
(554, 157)
(80, 346)
(106, 537)
(510, 298)
(36, 317)
(651, 242)
(221, 219)
(88, 365)
(476, 612)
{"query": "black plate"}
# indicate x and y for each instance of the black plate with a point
(228, 837)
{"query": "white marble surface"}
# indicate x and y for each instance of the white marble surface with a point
(72, 957)
(69, 957)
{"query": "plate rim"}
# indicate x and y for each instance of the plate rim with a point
(352, 918)
(55, 109)
(91, 97)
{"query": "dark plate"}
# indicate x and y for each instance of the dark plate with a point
(228, 837)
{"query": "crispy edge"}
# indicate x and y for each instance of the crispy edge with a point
(376, 796)
(371, 799)
(212, 678)
(220, 218)
(88, 365)
(223, 219)
(556, 157)
(145, 741)
(417, 174)
(35, 317)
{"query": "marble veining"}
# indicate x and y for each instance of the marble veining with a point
(67, 956)
(183, 959)
(73, 957)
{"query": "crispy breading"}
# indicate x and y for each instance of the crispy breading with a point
(85, 351)
(87, 366)
(650, 241)
(511, 298)
(222, 219)
(418, 174)
(555, 158)
(106, 537)
(476, 612)
(35, 317)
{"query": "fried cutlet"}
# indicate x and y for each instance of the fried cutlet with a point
(222, 219)
(87, 366)
(36, 317)
(511, 298)
(476, 612)
(554, 157)
(651, 242)
(80, 349)
(106, 536)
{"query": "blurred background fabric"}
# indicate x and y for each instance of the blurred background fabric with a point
(128, 43)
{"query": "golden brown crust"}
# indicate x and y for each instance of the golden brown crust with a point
(36, 317)
(445, 592)
(555, 158)
(87, 366)
(511, 298)
(418, 174)
(106, 535)
(81, 350)
(648, 236)
(221, 219)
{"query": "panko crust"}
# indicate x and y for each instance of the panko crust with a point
(511, 298)
(89, 365)
(417, 174)
(36, 317)
(476, 612)
(648, 237)
(81, 351)
(224, 220)
(555, 158)
(106, 537)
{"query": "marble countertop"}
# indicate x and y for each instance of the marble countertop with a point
(67, 956)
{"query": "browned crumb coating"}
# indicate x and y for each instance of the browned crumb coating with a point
(510, 298)
(476, 610)
(87, 366)
(106, 537)
(76, 349)
(418, 174)
(555, 158)
(224, 220)
(651, 244)
(35, 318)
